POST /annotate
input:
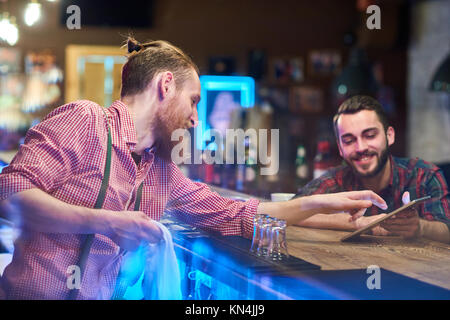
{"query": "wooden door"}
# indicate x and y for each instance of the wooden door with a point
(93, 73)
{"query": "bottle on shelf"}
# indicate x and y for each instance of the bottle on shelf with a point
(251, 168)
(207, 169)
(219, 167)
(323, 159)
(240, 177)
(208, 172)
(301, 167)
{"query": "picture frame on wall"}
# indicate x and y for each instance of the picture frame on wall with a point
(277, 96)
(221, 66)
(287, 69)
(10, 60)
(324, 62)
(306, 99)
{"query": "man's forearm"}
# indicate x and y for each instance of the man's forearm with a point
(293, 211)
(435, 230)
(35, 210)
(337, 221)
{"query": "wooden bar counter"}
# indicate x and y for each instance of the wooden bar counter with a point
(421, 259)
(410, 269)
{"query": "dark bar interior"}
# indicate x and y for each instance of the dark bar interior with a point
(253, 140)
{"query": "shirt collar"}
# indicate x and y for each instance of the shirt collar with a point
(394, 178)
(127, 128)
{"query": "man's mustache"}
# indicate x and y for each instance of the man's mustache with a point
(360, 155)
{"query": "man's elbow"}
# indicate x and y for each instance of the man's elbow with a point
(6, 212)
(11, 207)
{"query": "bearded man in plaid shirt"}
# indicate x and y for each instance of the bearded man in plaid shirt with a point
(364, 136)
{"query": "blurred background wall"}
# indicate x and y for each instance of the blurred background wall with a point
(428, 112)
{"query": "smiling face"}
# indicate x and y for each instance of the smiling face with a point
(363, 142)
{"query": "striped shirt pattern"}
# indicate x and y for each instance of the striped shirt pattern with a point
(64, 155)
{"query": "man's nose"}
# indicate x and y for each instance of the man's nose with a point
(194, 119)
(361, 145)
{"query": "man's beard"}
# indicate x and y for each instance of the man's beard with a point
(382, 161)
(163, 126)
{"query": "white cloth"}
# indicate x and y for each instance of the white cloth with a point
(5, 259)
(152, 271)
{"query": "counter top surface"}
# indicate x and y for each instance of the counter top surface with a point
(421, 259)
(320, 266)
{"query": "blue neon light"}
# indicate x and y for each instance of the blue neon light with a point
(2, 166)
(245, 85)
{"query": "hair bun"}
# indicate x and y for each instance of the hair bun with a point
(133, 45)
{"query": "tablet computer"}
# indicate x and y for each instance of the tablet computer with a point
(360, 231)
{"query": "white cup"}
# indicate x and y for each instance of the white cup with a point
(281, 196)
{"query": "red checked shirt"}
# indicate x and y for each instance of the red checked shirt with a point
(418, 177)
(64, 156)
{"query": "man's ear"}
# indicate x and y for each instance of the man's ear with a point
(166, 84)
(339, 147)
(336, 135)
(390, 134)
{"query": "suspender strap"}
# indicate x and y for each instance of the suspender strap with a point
(105, 181)
(87, 243)
(137, 204)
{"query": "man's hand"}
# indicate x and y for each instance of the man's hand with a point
(298, 209)
(128, 229)
(376, 231)
(353, 202)
(405, 223)
(35, 210)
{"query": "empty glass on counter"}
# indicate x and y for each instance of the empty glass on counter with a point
(269, 237)
(265, 231)
(257, 222)
(277, 249)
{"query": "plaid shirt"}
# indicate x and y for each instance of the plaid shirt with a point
(418, 177)
(64, 156)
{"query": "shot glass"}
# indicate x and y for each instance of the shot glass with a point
(277, 249)
(257, 222)
(264, 236)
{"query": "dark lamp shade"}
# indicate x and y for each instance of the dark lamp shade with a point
(357, 77)
(441, 78)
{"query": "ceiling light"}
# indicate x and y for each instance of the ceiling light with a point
(12, 34)
(8, 29)
(32, 13)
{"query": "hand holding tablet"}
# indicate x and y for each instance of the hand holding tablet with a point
(360, 231)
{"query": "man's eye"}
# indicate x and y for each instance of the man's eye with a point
(347, 141)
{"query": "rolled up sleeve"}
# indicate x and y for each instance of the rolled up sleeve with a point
(197, 204)
(51, 151)
(438, 208)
